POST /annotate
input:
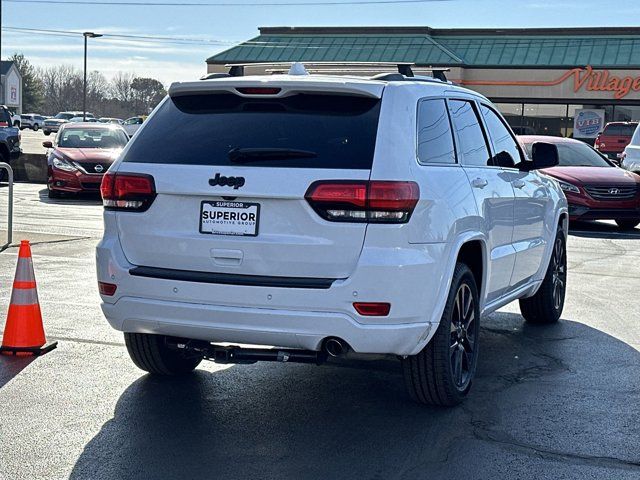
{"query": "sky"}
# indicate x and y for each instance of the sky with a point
(211, 29)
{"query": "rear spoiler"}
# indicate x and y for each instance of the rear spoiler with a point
(286, 87)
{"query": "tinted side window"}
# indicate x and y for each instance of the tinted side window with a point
(505, 148)
(471, 142)
(5, 118)
(435, 140)
(618, 129)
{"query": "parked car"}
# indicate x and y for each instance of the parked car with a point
(80, 155)
(131, 125)
(115, 121)
(595, 188)
(630, 158)
(52, 125)
(293, 210)
(9, 140)
(614, 138)
(80, 119)
(32, 121)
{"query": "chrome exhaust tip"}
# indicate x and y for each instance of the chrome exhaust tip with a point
(335, 347)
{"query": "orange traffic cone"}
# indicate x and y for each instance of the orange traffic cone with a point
(23, 332)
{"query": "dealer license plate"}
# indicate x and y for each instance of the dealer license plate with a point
(229, 218)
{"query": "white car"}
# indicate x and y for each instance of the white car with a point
(32, 121)
(115, 121)
(131, 125)
(631, 155)
(326, 215)
(52, 125)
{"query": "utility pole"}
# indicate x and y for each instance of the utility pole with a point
(86, 35)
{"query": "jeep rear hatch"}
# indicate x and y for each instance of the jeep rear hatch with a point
(231, 171)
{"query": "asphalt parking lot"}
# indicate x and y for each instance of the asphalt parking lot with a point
(31, 141)
(549, 402)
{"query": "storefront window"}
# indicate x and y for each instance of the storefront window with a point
(559, 119)
(512, 113)
(545, 119)
(626, 113)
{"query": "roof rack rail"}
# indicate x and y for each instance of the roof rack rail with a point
(403, 68)
(390, 71)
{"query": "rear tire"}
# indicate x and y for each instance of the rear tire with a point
(442, 373)
(47, 132)
(546, 305)
(35, 127)
(151, 354)
(628, 224)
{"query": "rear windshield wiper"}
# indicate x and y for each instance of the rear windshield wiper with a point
(239, 155)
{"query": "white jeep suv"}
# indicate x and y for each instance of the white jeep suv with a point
(325, 215)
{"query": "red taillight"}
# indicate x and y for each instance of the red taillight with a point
(127, 191)
(364, 201)
(372, 309)
(258, 90)
(108, 289)
(597, 143)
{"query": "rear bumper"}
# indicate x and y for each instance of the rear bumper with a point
(260, 326)
(413, 280)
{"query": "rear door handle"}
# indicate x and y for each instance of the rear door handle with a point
(519, 183)
(479, 183)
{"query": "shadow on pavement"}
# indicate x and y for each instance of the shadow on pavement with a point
(602, 230)
(10, 366)
(549, 402)
(71, 198)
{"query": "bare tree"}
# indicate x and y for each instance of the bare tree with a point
(121, 86)
(124, 96)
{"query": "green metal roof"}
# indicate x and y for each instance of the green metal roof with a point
(622, 51)
(425, 46)
(343, 48)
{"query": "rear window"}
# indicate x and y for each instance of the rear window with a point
(327, 131)
(92, 138)
(624, 130)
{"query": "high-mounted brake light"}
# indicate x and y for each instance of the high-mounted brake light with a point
(364, 201)
(127, 191)
(258, 90)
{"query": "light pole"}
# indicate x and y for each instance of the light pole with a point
(84, 92)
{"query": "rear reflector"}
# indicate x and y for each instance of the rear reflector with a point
(258, 90)
(363, 201)
(377, 309)
(108, 289)
(127, 191)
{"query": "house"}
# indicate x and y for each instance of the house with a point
(10, 86)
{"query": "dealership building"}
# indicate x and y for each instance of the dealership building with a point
(565, 82)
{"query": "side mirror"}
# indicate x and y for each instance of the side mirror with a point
(543, 155)
(47, 144)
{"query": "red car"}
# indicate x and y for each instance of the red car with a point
(80, 155)
(614, 138)
(595, 188)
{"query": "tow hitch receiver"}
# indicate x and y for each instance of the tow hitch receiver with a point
(236, 354)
